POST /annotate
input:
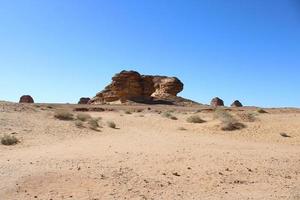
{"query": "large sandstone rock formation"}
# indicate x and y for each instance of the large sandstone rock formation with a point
(132, 86)
(26, 99)
(215, 102)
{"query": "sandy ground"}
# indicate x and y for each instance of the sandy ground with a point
(147, 157)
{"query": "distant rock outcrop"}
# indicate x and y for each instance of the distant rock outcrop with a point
(131, 86)
(84, 100)
(26, 99)
(215, 102)
(236, 103)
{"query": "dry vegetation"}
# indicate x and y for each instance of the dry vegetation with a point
(128, 112)
(182, 129)
(262, 111)
(111, 124)
(79, 124)
(228, 122)
(83, 117)
(169, 115)
(9, 140)
(93, 124)
(63, 115)
(195, 119)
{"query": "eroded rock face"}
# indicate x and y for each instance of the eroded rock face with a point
(132, 86)
(236, 103)
(26, 99)
(215, 102)
(84, 100)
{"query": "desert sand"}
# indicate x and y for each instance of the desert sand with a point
(147, 156)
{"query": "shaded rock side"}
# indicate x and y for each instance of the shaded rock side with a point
(236, 103)
(215, 102)
(84, 100)
(26, 99)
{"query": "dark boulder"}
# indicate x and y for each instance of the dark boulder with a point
(26, 99)
(215, 102)
(236, 103)
(84, 100)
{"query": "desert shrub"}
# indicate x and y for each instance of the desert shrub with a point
(229, 123)
(173, 118)
(9, 140)
(223, 115)
(139, 110)
(231, 126)
(182, 129)
(247, 117)
(83, 117)
(262, 111)
(111, 124)
(79, 123)
(63, 115)
(93, 124)
(194, 119)
(141, 115)
(169, 115)
(128, 112)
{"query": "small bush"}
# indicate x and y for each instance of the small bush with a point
(93, 124)
(9, 140)
(169, 115)
(231, 126)
(83, 117)
(182, 129)
(63, 115)
(111, 124)
(128, 112)
(141, 115)
(262, 111)
(194, 119)
(229, 123)
(223, 115)
(173, 118)
(79, 123)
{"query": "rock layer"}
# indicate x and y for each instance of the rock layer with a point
(132, 86)
(26, 99)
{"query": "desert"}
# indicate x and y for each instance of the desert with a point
(149, 100)
(148, 154)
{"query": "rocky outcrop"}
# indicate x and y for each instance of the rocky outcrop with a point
(236, 103)
(132, 86)
(215, 102)
(26, 99)
(84, 100)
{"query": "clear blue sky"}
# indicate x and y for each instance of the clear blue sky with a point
(60, 50)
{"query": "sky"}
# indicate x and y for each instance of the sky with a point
(61, 50)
